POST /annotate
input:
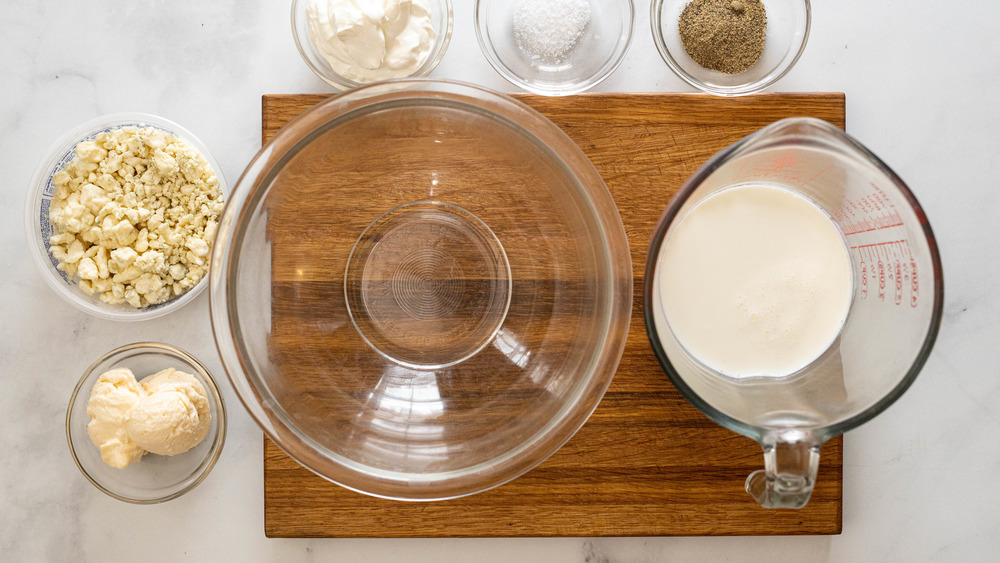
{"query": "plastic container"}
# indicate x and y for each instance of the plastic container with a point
(38, 228)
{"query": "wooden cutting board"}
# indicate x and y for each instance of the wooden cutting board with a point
(646, 463)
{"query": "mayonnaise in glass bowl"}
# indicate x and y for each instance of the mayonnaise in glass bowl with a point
(441, 20)
(155, 478)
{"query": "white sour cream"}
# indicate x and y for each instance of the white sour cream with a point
(370, 40)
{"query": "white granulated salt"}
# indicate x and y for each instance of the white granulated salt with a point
(548, 30)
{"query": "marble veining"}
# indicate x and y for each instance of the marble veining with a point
(919, 481)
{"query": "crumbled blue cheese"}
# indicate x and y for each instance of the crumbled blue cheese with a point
(134, 216)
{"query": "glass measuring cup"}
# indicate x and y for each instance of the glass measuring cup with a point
(890, 328)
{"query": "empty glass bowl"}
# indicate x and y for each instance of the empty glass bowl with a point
(155, 478)
(538, 60)
(788, 23)
(422, 289)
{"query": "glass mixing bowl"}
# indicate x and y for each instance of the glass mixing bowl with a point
(421, 289)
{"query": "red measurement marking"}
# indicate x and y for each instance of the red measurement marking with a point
(899, 283)
(782, 169)
(783, 162)
(817, 175)
(858, 230)
(893, 266)
(881, 280)
(864, 279)
(871, 212)
(903, 243)
(868, 221)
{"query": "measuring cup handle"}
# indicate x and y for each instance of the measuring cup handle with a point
(791, 459)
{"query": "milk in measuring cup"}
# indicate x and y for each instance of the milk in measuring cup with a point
(756, 281)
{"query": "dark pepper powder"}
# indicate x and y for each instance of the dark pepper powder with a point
(724, 35)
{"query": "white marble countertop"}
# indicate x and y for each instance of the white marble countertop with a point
(922, 80)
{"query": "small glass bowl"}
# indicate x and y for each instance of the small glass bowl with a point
(442, 19)
(41, 192)
(155, 478)
(598, 52)
(788, 23)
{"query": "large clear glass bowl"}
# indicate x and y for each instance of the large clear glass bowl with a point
(421, 289)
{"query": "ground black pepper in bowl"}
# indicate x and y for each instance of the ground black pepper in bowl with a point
(724, 35)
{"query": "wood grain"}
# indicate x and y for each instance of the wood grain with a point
(647, 463)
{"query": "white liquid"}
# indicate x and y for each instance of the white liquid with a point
(756, 281)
